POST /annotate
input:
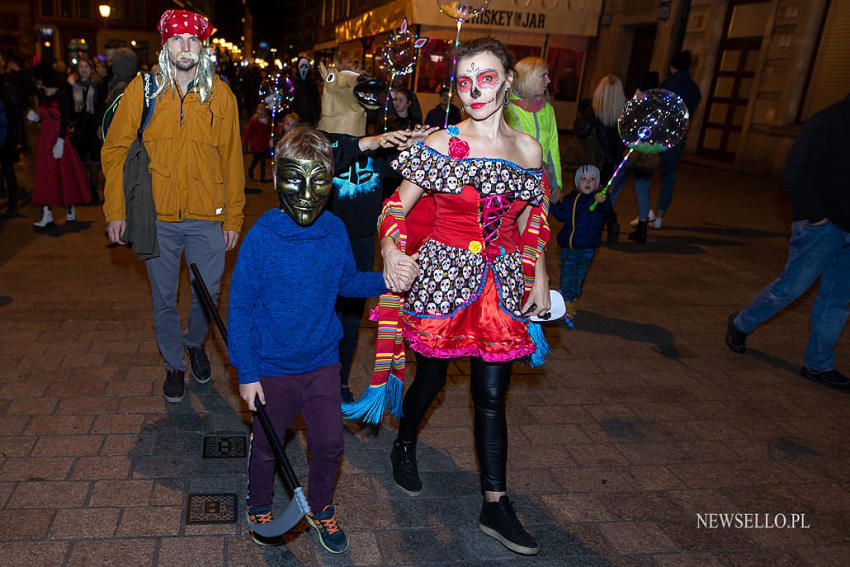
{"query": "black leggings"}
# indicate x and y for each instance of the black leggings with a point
(488, 383)
(259, 157)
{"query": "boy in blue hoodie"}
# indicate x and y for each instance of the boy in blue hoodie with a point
(284, 332)
(582, 232)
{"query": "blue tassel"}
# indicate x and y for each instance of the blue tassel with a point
(395, 387)
(538, 357)
(370, 407)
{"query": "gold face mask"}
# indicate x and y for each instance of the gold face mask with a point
(303, 187)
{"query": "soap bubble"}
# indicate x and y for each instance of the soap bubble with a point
(653, 121)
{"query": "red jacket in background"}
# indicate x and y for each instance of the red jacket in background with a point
(257, 134)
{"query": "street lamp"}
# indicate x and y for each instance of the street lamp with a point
(105, 10)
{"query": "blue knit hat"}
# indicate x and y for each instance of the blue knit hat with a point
(591, 169)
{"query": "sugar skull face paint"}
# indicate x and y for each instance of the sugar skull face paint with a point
(303, 187)
(482, 83)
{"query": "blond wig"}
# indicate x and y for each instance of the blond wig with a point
(608, 100)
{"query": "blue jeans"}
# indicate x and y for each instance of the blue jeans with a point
(574, 267)
(641, 190)
(668, 166)
(822, 250)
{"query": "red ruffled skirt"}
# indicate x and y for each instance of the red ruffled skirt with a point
(483, 329)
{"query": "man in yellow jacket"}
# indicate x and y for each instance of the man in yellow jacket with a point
(198, 183)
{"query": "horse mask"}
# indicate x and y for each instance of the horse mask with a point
(345, 98)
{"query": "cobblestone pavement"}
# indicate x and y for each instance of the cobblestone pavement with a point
(640, 420)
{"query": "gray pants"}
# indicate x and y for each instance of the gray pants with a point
(203, 242)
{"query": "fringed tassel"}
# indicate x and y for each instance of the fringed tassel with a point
(370, 407)
(538, 357)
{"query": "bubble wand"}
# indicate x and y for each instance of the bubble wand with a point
(604, 191)
(460, 11)
(653, 123)
(399, 55)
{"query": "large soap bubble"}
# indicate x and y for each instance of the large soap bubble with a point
(277, 92)
(462, 10)
(653, 122)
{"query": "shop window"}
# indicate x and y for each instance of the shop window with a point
(434, 65)
(565, 71)
(137, 11)
(729, 61)
(77, 48)
(748, 20)
(86, 10)
(47, 8)
(66, 8)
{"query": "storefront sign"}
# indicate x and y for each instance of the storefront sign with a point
(565, 17)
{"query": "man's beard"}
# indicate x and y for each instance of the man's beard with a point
(194, 58)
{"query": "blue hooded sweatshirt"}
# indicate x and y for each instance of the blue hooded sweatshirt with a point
(287, 278)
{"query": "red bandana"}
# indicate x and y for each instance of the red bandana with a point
(174, 22)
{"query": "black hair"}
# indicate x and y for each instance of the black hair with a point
(649, 81)
(681, 61)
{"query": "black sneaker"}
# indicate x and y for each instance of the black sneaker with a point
(498, 520)
(174, 387)
(345, 394)
(832, 377)
(735, 339)
(331, 535)
(262, 515)
(200, 364)
(405, 471)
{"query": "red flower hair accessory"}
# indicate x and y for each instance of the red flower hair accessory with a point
(174, 22)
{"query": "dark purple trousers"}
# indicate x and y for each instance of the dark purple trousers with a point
(316, 395)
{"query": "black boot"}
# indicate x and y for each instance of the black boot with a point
(612, 226)
(405, 471)
(639, 233)
(498, 520)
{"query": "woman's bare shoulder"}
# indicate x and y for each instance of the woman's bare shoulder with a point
(529, 153)
(439, 141)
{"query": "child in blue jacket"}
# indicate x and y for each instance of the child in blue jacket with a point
(284, 332)
(582, 232)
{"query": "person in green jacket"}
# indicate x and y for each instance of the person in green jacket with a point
(530, 113)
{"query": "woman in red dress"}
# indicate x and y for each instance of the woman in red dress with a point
(59, 178)
(480, 275)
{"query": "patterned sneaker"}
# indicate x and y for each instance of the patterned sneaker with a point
(331, 535)
(262, 515)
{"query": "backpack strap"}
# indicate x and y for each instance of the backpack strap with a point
(149, 102)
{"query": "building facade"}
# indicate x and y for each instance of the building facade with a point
(763, 66)
(68, 29)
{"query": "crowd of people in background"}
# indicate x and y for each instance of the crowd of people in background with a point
(468, 252)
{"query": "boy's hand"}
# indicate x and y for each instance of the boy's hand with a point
(555, 195)
(407, 270)
(600, 197)
(419, 132)
(399, 269)
(249, 392)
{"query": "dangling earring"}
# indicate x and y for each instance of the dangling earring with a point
(463, 108)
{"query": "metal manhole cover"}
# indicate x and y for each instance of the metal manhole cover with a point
(233, 447)
(211, 509)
